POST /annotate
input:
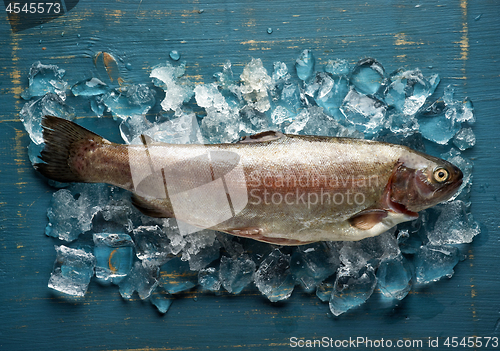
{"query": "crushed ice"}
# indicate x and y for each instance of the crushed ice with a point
(151, 257)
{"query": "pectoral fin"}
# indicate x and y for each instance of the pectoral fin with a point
(366, 220)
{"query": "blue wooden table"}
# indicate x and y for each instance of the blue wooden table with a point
(458, 39)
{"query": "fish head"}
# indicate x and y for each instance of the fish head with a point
(420, 181)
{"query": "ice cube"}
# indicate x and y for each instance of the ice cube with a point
(89, 87)
(337, 67)
(394, 277)
(45, 79)
(178, 89)
(325, 289)
(221, 124)
(200, 248)
(175, 276)
(32, 112)
(290, 98)
(71, 210)
(34, 152)
(351, 289)
(97, 105)
(321, 124)
(253, 121)
(114, 255)
(280, 74)
(132, 127)
(331, 93)
(464, 139)
(304, 65)
(439, 129)
(255, 85)
(142, 278)
(365, 113)
(298, 123)
(368, 76)
(311, 264)
(281, 114)
(153, 245)
(453, 156)
(129, 101)
(225, 78)
(409, 90)
(208, 279)
(161, 299)
(236, 273)
(455, 224)
(370, 251)
(432, 262)
(401, 123)
(221, 127)
(273, 278)
(72, 271)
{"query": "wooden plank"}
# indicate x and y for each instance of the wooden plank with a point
(438, 34)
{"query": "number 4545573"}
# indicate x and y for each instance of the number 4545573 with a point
(34, 7)
(472, 341)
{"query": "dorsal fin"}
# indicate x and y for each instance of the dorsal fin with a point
(146, 139)
(261, 137)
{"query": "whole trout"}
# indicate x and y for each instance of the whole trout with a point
(276, 188)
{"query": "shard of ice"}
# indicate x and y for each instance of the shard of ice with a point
(311, 264)
(432, 262)
(175, 276)
(142, 278)
(256, 82)
(236, 273)
(338, 67)
(464, 139)
(367, 114)
(368, 76)
(178, 89)
(161, 299)
(72, 271)
(394, 277)
(351, 289)
(33, 111)
(129, 101)
(273, 278)
(44, 79)
(114, 255)
(90, 87)
(208, 279)
(304, 65)
(454, 224)
(409, 90)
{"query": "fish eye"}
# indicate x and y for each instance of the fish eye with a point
(441, 175)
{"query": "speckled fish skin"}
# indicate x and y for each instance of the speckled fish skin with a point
(298, 189)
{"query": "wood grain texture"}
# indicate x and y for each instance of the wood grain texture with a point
(443, 35)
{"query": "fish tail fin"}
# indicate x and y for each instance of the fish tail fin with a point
(63, 140)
